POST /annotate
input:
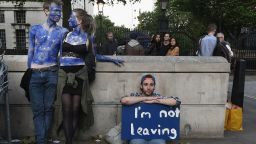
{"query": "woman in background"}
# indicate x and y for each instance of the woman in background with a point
(174, 49)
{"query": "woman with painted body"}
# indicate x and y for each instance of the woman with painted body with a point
(73, 84)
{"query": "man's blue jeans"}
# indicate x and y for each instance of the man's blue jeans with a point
(42, 90)
(142, 141)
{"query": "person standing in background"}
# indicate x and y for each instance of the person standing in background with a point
(208, 43)
(110, 46)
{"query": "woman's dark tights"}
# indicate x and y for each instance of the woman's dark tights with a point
(70, 108)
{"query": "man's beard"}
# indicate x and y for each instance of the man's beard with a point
(147, 94)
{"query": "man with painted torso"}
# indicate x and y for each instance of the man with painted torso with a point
(45, 41)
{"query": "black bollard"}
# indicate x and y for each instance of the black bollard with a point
(237, 96)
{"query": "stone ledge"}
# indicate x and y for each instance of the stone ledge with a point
(144, 64)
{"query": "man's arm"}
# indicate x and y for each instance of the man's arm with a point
(129, 100)
(32, 32)
(167, 101)
(204, 51)
(64, 33)
(102, 58)
(170, 101)
(230, 51)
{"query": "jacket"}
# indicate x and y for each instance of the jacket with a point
(133, 47)
(86, 116)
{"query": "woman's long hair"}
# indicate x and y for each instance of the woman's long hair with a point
(176, 43)
(155, 43)
(87, 24)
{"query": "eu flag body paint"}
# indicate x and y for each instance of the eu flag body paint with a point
(55, 13)
(72, 21)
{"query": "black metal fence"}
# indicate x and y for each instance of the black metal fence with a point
(244, 47)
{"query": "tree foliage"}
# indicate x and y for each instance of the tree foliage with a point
(182, 21)
(148, 21)
(229, 15)
(104, 25)
(112, 2)
(192, 16)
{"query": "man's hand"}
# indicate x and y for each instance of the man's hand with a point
(129, 100)
(118, 62)
(151, 100)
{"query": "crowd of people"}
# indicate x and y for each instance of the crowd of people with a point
(167, 45)
(211, 45)
(159, 46)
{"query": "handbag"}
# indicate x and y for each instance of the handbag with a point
(234, 118)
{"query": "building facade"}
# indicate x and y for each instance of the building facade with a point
(15, 20)
(83, 4)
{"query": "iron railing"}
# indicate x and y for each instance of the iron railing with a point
(244, 47)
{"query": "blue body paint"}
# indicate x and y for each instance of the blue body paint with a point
(45, 40)
(44, 45)
(55, 13)
(78, 37)
(72, 21)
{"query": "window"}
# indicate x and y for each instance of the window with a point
(20, 39)
(2, 17)
(2, 39)
(20, 16)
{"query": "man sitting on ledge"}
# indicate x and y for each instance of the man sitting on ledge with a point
(147, 95)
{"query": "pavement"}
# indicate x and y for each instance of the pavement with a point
(247, 136)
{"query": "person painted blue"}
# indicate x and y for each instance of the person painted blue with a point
(73, 82)
(77, 37)
(45, 41)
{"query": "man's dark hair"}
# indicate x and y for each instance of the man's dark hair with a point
(109, 32)
(147, 76)
(133, 35)
(211, 27)
(47, 3)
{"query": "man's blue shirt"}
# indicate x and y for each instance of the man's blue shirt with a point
(208, 44)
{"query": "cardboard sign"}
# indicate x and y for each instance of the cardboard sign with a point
(150, 121)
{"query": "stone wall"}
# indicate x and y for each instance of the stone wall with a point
(200, 82)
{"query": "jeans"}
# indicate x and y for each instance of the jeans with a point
(42, 91)
(142, 141)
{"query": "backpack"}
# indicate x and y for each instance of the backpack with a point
(221, 50)
(198, 51)
(90, 61)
